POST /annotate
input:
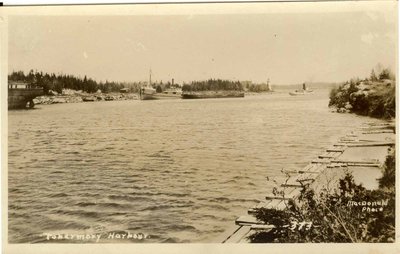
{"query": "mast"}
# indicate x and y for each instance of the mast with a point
(150, 78)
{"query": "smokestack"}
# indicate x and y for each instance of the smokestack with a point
(172, 81)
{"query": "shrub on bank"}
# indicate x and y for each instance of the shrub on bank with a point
(373, 97)
(352, 214)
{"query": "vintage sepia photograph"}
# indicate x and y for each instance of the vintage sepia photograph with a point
(199, 123)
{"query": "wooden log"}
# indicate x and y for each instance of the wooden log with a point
(336, 165)
(321, 161)
(355, 162)
(373, 144)
(326, 155)
(302, 172)
(364, 165)
(341, 145)
(377, 132)
(335, 150)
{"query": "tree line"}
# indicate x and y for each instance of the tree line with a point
(58, 82)
(213, 85)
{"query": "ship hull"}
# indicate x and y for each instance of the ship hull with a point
(212, 95)
(147, 97)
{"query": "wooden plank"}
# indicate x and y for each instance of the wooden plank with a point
(245, 238)
(277, 197)
(262, 227)
(289, 193)
(302, 172)
(336, 165)
(373, 144)
(326, 156)
(377, 132)
(335, 150)
(341, 145)
(355, 162)
(364, 165)
(269, 204)
(247, 220)
(238, 235)
(330, 155)
(325, 161)
(230, 230)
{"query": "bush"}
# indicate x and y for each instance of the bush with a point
(375, 100)
(333, 217)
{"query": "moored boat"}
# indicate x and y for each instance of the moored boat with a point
(89, 98)
(212, 94)
(169, 94)
(147, 92)
(303, 91)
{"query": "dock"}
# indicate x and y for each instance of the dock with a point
(362, 152)
(20, 94)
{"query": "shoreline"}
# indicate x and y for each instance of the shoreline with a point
(78, 97)
(83, 97)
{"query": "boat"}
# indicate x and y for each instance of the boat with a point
(89, 98)
(212, 94)
(21, 95)
(109, 98)
(147, 92)
(169, 94)
(303, 91)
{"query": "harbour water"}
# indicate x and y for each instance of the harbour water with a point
(176, 170)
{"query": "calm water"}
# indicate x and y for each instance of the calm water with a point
(178, 170)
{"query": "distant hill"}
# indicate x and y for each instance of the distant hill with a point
(314, 85)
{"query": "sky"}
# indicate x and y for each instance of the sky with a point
(287, 48)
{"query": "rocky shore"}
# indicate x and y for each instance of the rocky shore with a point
(365, 97)
(72, 96)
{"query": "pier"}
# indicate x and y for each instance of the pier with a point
(19, 94)
(362, 152)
